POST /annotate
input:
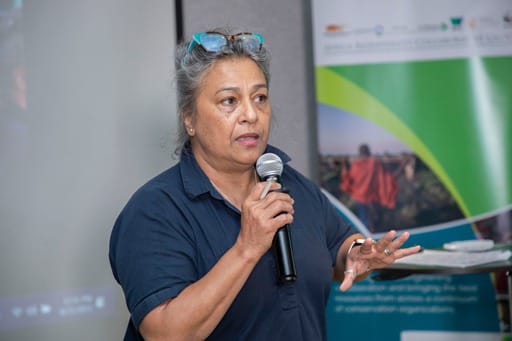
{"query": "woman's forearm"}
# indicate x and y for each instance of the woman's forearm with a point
(198, 309)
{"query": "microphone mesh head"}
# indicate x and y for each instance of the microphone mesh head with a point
(269, 164)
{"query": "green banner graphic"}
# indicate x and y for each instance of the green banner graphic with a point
(456, 115)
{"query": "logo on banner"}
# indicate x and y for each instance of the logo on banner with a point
(456, 23)
(379, 29)
(334, 28)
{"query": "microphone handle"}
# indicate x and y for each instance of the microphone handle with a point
(282, 246)
(282, 249)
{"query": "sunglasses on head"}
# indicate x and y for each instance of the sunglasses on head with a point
(214, 41)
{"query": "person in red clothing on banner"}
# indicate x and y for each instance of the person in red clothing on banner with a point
(370, 185)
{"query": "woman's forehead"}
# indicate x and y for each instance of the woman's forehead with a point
(234, 71)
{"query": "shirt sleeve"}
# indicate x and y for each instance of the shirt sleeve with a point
(152, 251)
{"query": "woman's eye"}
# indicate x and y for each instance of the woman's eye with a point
(261, 98)
(229, 101)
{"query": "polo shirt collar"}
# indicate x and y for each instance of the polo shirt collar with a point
(195, 181)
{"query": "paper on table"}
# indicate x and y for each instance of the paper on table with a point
(454, 258)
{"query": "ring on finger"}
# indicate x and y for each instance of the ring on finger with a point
(350, 271)
(387, 252)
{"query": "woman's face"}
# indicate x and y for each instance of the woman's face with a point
(232, 120)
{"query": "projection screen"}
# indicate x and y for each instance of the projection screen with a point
(87, 114)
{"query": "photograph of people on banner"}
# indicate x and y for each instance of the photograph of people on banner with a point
(377, 177)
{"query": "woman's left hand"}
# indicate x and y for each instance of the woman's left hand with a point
(375, 255)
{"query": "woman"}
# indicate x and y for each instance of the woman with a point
(192, 247)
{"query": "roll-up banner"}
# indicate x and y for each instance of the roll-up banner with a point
(415, 134)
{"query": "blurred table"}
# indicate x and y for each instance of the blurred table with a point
(398, 271)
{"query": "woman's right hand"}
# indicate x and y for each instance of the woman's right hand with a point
(262, 218)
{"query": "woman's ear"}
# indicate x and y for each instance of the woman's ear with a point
(187, 122)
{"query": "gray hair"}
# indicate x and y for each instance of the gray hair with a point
(191, 65)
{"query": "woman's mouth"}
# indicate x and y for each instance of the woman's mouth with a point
(248, 139)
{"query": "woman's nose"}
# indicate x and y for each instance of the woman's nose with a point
(250, 112)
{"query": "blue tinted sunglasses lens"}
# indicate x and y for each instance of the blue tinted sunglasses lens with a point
(251, 41)
(213, 42)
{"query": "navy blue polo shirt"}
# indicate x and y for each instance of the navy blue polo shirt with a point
(175, 228)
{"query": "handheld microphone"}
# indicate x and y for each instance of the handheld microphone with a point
(269, 168)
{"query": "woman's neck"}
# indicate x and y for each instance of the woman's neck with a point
(234, 187)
